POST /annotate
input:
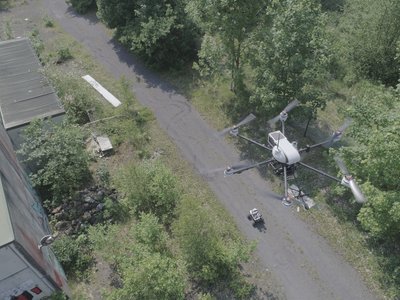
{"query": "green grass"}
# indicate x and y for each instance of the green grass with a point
(209, 98)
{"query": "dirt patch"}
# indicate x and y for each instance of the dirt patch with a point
(20, 20)
(263, 280)
(103, 276)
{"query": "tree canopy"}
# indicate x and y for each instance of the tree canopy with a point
(159, 31)
(229, 23)
(370, 35)
(289, 55)
(375, 157)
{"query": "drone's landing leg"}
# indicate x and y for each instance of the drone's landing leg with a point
(285, 200)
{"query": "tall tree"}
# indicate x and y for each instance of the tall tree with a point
(289, 55)
(229, 23)
(158, 30)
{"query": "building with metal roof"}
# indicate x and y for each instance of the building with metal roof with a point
(25, 94)
(27, 271)
(25, 268)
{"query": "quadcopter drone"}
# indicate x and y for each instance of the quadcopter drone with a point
(286, 156)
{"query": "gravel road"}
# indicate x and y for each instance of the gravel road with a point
(304, 264)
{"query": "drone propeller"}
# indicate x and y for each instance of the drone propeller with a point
(237, 169)
(245, 121)
(283, 114)
(211, 173)
(337, 135)
(349, 180)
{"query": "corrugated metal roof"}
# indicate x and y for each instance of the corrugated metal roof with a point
(25, 94)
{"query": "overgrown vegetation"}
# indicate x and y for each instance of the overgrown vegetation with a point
(82, 6)
(257, 57)
(150, 188)
(74, 254)
(147, 267)
(159, 31)
(345, 53)
(136, 239)
(210, 258)
(56, 156)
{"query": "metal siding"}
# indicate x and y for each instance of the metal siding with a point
(10, 264)
(21, 277)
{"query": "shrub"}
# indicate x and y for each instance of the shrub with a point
(73, 254)
(48, 22)
(81, 6)
(150, 188)
(75, 96)
(56, 157)
(63, 54)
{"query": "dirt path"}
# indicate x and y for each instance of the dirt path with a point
(302, 261)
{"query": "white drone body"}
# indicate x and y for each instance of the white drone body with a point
(282, 150)
(288, 155)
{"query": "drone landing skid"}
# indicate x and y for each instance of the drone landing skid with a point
(295, 194)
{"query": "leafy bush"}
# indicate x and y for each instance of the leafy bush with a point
(153, 277)
(212, 251)
(114, 210)
(369, 48)
(63, 54)
(158, 31)
(81, 6)
(48, 22)
(151, 188)
(57, 158)
(147, 267)
(57, 296)
(75, 96)
(8, 31)
(36, 42)
(73, 254)
(103, 175)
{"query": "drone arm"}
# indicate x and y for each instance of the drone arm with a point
(335, 137)
(308, 148)
(254, 142)
(320, 172)
(232, 170)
